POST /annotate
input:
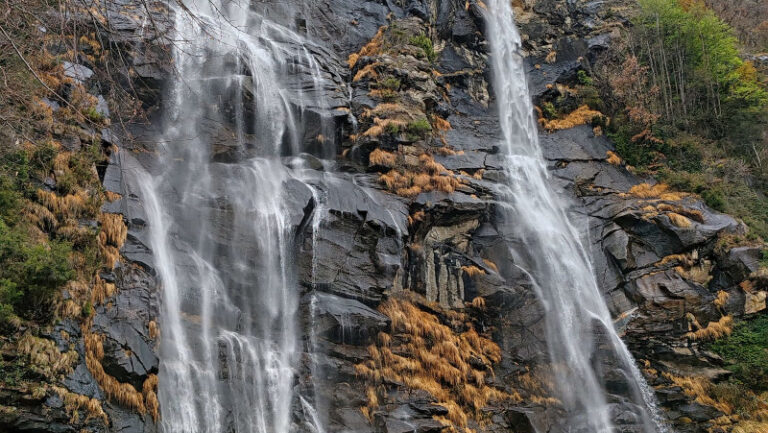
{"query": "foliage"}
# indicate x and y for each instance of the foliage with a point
(419, 127)
(583, 78)
(747, 350)
(703, 84)
(686, 107)
(749, 18)
(425, 43)
(30, 273)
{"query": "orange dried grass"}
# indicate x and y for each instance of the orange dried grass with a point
(432, 357)
(382, 158)
(472, 271)
(373, 47)
(123, 393)
(658, 191)
(713, 330)
(74, 403)
(612, 158)
(581, 116)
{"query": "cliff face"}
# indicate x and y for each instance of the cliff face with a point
(405, 250)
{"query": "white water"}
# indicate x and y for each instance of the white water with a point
(220, 232)
(555, 258)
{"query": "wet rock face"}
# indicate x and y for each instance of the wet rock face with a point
(357, 242)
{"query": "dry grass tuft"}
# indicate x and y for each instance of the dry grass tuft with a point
(371, 48)
(425, 354)
(111, 237)
(491, 265)
(432, 176)
(44, 358)
(659, 191)
(40, 216)
(68, 206)
(380, 126)
(154, 330)
(75, 403)
(149, 391)
(478, 302)
(472, 271)
(122, 393)
(699, 388)
(416, 217)
(382, 158)
(440, 124)
(679, 220)
(581, 116)
(722, 299)
(112, 196)
(713, 330)
(612, 158)
(113, 230)
(369, 71)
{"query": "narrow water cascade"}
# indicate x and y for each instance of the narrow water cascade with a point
(583, 344)
(220, 228)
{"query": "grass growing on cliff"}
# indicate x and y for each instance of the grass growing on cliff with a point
(443, 356)
(425, 43)
(747, 351)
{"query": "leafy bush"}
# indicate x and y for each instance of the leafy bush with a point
(30, 273)
(747, 351)
(420, 127)
(425, 43)
(548, 110)
(584, 78)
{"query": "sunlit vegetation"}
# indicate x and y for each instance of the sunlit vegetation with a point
(581, 116)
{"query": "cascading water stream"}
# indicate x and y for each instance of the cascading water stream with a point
(219, 226)
(554, 257)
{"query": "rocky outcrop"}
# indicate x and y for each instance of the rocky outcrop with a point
(410, 105)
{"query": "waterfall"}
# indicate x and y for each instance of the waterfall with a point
(577, 318)
(218, 222)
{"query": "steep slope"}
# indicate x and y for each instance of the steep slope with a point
(411, 314)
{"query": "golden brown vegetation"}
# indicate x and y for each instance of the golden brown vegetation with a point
(382, 158)
(428, 176)
(679, 220)
(75, 403)
(612, 158)
(581, 116)
(491, 265)
(478, 302)
(122, 393)
(44, 358)
(658, 191)
(713, 330)
(371, 48)
(423, 353)
(472, 271)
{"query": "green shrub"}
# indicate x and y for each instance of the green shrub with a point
(392, 128)
(31, 273)
(584, 78)
(390, 83)
(764, 258)
(420, 127)
(549, 111)
(425, 43)
(747, 352)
